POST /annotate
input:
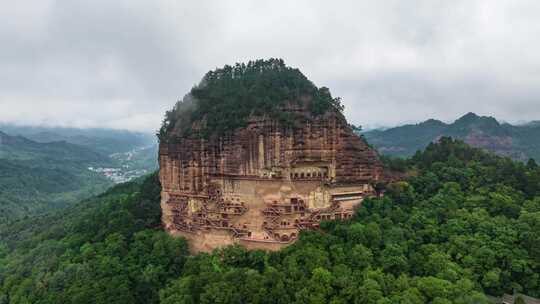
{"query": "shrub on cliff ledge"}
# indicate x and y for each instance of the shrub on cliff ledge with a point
(226, 97)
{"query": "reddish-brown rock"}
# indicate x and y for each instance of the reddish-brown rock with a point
(260, 185)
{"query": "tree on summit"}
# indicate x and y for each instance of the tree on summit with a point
(226, 97)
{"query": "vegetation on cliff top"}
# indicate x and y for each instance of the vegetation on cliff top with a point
(467, 224)
(226, 97)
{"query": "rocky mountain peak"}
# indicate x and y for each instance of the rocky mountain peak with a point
(472, 119)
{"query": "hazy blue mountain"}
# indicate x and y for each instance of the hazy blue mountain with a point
(106, 141)
(21, 148)
(519, 142)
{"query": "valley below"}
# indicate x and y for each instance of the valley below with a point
(130, 165)
(45, 169)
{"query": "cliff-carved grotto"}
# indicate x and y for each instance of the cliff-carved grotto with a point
(259, 170)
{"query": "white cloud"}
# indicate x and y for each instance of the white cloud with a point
(123, 63)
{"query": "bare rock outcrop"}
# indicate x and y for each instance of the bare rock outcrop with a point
(260, 185)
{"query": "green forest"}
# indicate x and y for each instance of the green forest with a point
(49, 169)
(520, 141)
(226, 97)
(463, 225)
(39, 177)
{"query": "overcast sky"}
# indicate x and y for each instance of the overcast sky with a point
(121, 64)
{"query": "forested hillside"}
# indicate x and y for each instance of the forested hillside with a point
(38, 177)
(519, 142)
(51, 170)
(465, 224)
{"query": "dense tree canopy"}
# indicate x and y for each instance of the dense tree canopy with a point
(226, 97)
(106, 250)
(39, 177)
(464, 225)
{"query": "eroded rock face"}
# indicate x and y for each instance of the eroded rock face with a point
(500, 145)
(262, 184)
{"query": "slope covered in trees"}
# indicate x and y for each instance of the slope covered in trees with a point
(52, 171)
(108, 249)
(37, 177)
(519, 142)
(465, 224)
(226, 97)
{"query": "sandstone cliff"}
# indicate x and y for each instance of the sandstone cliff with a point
(262, 183)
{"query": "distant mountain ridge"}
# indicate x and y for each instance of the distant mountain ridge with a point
(22, 148)
(38, 177)
(42, 168)
(105, 141)
(519, 142)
